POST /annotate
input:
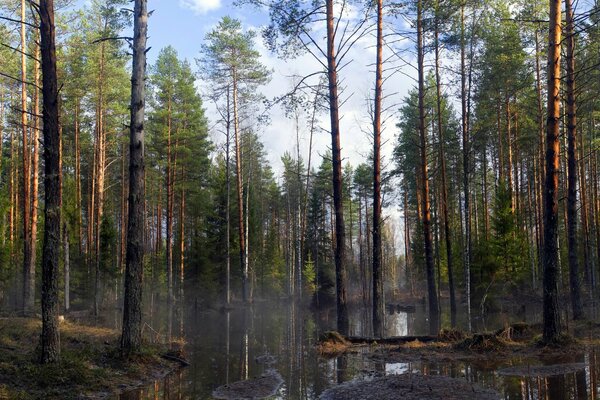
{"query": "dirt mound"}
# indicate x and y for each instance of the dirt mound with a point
(482, 342)
(262, 387)
(516, 331)
(410, 387)
(451, 335)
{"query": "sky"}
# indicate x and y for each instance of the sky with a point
(183, 24)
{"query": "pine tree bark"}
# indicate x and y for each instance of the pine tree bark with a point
(434, 321)
(50, 339)
(551, 319)
(170, 197)
(78, 177)
(228, 206)
(100, 176)
(240, 189)
(67, 268)
(131, 336)
(378, 290)
(575, 289)
(444, 183)
(181, 259)
(28, 268)
(466, 166)
(35, 165)
(343, 324)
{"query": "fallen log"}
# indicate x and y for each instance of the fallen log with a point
(392, 340)
(180, 360)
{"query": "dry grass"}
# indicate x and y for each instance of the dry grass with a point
(90, 362)
(332, 343)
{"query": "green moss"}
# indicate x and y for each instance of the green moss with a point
(90, 362)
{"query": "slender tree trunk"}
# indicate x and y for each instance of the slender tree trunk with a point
(35, 165)
(28, 267)
(78, 178)
(240, 188)
(13, 193)
(123, 229)
(434, 321)
(572, 167)
(131, 337)
(170, 197)
(509, 151)
(407, 250)
(228, 208)
(50, 339)
(2, 139)
(343, 323)
(181, 259)
(67, 268)
(585, 228)
(378, 290)
(541, 164)
(466, 167)
(552, 326)
(158, 221)
(446, 220)
(100, 177)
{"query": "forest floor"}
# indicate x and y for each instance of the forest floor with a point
(514, 351)
(494, 349)
(90, 365)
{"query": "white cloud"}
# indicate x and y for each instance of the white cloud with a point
(201, 6)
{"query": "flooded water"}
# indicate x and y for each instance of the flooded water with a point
(224, 347)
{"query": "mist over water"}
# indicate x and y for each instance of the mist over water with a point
(228, 346)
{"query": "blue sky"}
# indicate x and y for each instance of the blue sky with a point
(183, 24)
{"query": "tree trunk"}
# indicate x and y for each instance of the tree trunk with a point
(572, 167)
(28, 267)
(240, 188)
(552, 327)
(181, 260)
(78, 179)
(35, 166)
(50, 339)
(170, 197)
(123, 229)
(378, 290)
(446, 220)
(131, 337)
(343, 324)
(466, 166)
(67, 267)
(434, 322)
(227, 208)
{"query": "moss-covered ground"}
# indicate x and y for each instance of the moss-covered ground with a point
(90, 363)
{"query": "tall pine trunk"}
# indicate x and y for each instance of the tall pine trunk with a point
(28, 267)
(466, 165)
(444, 189)
(552, 327)
(50, 339)
(240, 189)
(343, 324)
(378, 290)
(434, 318)
(572, 167)
(227, 207)
(35, 164)
(131, 337)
